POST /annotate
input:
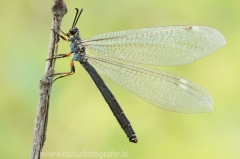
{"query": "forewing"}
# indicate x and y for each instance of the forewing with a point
(159, 88)
(173, 45)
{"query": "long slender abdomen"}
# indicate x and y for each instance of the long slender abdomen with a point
(112, 102)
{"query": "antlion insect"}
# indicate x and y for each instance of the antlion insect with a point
(120, 55)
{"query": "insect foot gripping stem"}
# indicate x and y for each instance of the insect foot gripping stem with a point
(59, 56)
(64, 74)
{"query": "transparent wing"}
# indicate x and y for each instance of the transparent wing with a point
(173, 45)
(159, 88)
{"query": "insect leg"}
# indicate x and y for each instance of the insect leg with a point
(60, 35)
(65, 34)
(59, 56)
(65, 74)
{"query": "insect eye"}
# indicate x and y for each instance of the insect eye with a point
(72, 31)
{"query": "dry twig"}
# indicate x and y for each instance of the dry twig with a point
(59, 9)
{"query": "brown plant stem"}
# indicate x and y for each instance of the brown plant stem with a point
(59, 9)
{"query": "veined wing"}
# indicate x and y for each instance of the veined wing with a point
(172, 45)
(159, 88)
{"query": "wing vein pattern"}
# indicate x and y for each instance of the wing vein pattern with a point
(165, 46)
(164, 90)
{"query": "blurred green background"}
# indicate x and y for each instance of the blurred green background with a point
(79, 118)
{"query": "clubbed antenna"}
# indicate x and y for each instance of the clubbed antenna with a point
(76, 17)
